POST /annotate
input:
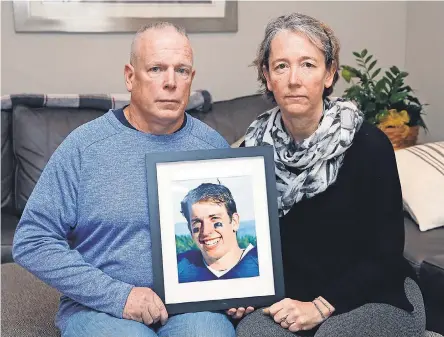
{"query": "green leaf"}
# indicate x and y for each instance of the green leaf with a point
(368, 58)
(389, 75)
(363, 53)
(377, 71)
(395, 70)
(346, 74)
(354, 91)
(406, 88)
(370, 67)
(357, 54)
(354, 72)
(404, 74)
(349, 68)
(399, 96)
(380, 85)
(389, 88)
(382, 98)
(413, 99)
(371, 106)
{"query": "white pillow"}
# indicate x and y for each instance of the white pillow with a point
(421, 171)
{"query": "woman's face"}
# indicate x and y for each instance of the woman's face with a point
(297, 74)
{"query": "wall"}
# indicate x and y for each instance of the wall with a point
(425, 62)
(93, 63)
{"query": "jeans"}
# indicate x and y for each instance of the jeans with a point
(97, 324)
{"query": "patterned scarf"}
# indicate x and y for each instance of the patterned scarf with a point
(317, 158)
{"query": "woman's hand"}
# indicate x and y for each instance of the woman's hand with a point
(239, 312)
(295, 315)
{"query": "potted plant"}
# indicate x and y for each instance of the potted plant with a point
(386, 101)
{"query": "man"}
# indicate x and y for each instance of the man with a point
(85, 230)
(213, 222)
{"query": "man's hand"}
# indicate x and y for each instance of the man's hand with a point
(239, 312)
(295, 315)
(143, 305)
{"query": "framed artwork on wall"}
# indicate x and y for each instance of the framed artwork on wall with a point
(108, 16)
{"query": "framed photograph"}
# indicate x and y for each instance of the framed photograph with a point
(215, 229)
(103, 16)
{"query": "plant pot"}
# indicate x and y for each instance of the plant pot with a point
(401, 137)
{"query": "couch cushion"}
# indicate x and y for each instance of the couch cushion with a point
(231, 118)
(421, 245)
(7, 161)
(9, 224)
(37, 132)
(432, 278)
(432, 285)
(28, 305)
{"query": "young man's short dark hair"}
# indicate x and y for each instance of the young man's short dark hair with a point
(207, 192)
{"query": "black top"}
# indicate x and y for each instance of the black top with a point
(346, 243)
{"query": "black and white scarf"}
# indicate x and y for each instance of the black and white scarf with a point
(317, 158)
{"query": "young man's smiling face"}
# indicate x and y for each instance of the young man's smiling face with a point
(213, 231)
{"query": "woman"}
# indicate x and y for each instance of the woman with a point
(340, 203)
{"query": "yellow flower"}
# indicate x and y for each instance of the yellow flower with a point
(395, 119)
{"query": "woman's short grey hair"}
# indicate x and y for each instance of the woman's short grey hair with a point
(317, 32)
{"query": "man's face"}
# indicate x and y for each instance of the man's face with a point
(212, 230)
(161, 75)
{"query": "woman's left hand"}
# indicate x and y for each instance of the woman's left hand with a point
(294, 315)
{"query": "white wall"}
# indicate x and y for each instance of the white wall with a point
(425, 62)
(93, 63)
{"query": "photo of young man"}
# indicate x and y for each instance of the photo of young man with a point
(213, 222)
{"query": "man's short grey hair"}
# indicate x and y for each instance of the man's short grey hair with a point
(154, 25)
(317, 32)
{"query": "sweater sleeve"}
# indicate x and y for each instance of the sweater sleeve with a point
(41, 239)
(381, 222)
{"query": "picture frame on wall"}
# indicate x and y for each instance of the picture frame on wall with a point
(214, 229)
(113, 16)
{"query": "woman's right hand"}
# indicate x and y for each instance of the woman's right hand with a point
(239, 312)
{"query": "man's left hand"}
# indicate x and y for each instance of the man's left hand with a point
(294, 315)
(239, 312)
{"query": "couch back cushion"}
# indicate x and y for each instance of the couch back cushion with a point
(37, 132)
(231, 118)
(7, 161)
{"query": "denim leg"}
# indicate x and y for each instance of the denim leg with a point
(98, 324)
(198, 324)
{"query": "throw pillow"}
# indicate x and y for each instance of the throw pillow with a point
(421, 172)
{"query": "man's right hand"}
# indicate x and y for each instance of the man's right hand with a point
(143, 305)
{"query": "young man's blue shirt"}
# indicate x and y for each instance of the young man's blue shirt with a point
(192, 268)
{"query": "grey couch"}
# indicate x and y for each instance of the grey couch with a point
(30, 134)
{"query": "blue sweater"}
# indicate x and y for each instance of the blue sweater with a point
(85, 230)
